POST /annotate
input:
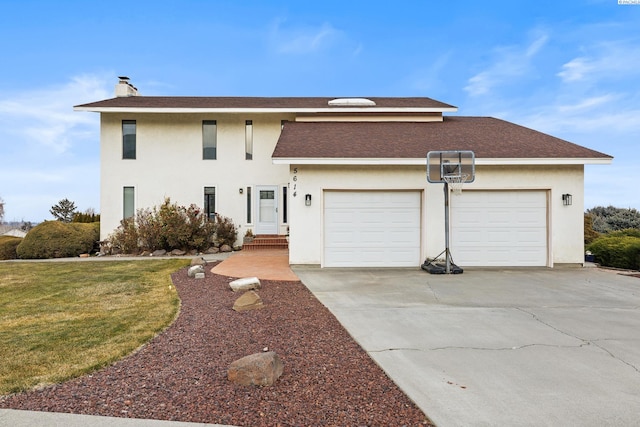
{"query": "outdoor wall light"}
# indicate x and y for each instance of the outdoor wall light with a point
(240, 190)
(307, 199)
(567, 199)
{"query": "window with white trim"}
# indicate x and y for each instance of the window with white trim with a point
(209, 139)
(248, 140)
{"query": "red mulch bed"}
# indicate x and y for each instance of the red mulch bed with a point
(182, 373)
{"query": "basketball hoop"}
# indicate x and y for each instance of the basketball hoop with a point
(453, 169)
(455, 182)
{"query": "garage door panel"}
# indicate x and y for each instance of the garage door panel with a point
(499, 228)
(371, 228)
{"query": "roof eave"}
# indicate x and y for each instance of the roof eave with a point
(422, 161)
(156, 110)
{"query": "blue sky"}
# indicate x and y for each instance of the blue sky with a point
(568, 68)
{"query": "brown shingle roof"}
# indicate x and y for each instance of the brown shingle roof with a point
(486, 136)
(289, 103)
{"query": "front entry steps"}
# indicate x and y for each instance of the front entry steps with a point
(266, 241)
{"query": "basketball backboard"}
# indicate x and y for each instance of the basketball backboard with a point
(441, 164)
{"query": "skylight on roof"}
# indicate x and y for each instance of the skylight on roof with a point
(351, 102)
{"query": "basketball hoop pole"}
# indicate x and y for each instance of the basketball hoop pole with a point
(446, 229)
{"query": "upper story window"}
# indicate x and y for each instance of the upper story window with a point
(248, 140)
(209, 139)
(128, 139)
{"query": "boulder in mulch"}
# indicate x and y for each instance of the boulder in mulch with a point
(159, 252)
(212, 250)
(195, 269)
(226, 248)
(178, 252)
(198, 261)
(245, 284)
(250, 300)
(261, 369)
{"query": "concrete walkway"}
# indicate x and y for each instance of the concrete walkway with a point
(266, 264)
(13, 418)
(498, 347)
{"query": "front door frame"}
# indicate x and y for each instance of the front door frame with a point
(267, 227)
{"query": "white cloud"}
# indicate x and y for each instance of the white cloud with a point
(606, 61)
(510, 63)
(575, 70)
(45, 117)
(49, 151)
(303, 40)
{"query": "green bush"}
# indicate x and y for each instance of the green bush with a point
(631, 232)
(8, 245)
(85, 217)
(617, 250)
(56, 239)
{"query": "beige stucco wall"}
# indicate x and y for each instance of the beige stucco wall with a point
(169, 163)
(306, 222)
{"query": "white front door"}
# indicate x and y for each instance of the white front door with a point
(267, 203)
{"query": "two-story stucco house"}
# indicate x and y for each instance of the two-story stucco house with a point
(346, 177)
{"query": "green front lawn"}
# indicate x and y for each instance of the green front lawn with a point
(59, 320)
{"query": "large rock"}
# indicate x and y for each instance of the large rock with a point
(250, 300)
(212, 250)
(159, 252)
(198, 261)
(262, 369)
(193, 270)
(178, 252)
(245, 284)
(226, 248)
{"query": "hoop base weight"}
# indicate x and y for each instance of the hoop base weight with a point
(434, 267)
(440, 268)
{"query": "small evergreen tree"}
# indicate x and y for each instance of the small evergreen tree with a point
(64, 210)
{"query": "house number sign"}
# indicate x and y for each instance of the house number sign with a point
(295, 182)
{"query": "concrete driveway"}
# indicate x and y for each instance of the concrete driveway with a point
(498, 347)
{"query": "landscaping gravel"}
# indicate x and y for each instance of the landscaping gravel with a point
(182, 373)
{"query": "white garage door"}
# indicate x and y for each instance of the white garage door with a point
(371, 229)
(499, 228)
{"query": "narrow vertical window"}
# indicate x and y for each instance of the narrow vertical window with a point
(285, 210)
(248, 140)
(248, 205)
(209, 139)
(128, 139)
(210, 202)
(128, 202)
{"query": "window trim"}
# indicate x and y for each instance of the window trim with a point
(129, 154)
(124, 201)
(285, 205)
(248, 140)
(249, 206)
(214, 124)
(205, 204)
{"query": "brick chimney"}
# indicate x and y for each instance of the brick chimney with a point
(124, 88)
